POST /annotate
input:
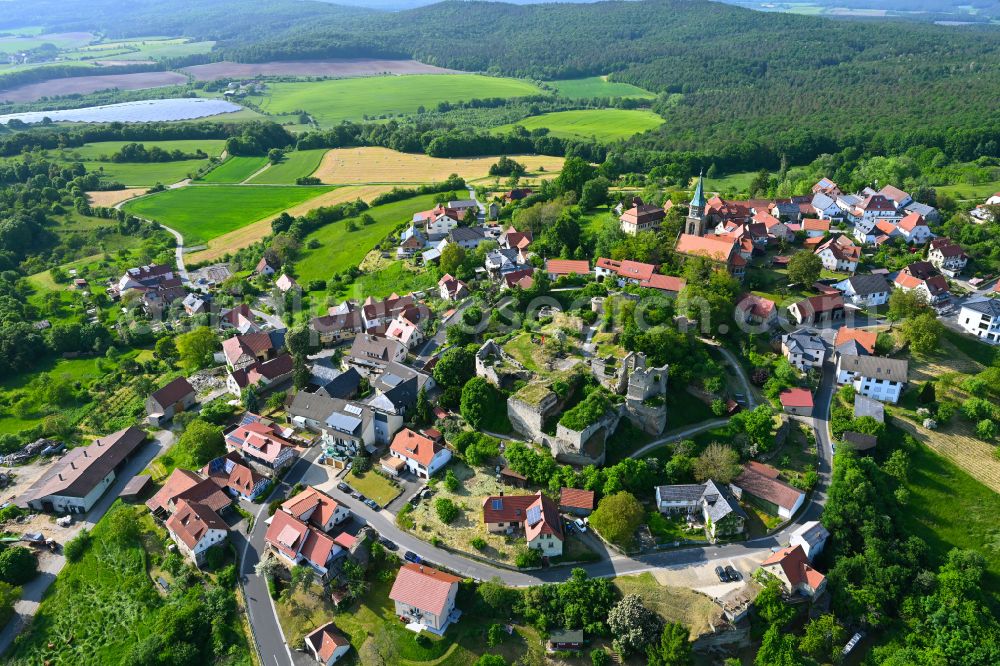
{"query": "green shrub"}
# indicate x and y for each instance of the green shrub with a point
(446, 509)
(77, 546)
(479, 543)
(527, 558)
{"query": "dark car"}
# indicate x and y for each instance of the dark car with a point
(388, 545)
(733, 574)
(721, 573)
(343, 487)
(410, 556)
(373, 505)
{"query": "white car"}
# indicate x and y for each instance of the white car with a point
(582, 526)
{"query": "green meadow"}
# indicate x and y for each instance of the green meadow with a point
(297, 164)
(602, 124)
(332, 101)
(105, 149)
(340, 249)
(133, 174)
(235, 170)
(202, 213)
(598, 86)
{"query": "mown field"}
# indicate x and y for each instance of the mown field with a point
(600, 124)
(966, 192)
(382, 165)
(235, 170)
(251, 233)
(202, 213)
(598, 86)
(340, 249)
(144, 49)
(297, 164)
(145, 174)
(332, 101)
(733, 182)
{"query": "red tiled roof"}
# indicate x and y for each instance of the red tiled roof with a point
(758, 306)
(325, 640)
(912, 221)
(423, 587)
(795, 564)
(178, 481)
(173, 392)
(286, 533)
(864, 338)
(712, 247)
(192, 521)
(567, 266)
(768, 488)
(664, 283)
(796, 397)
(414, 446)
(506, 508)
(325, 505)
(811, 224)
(578, 499)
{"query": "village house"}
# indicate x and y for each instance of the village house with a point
(866, 291)
(195, 528)
(245, 351)
(262, 442)
(74, 482)
(265, 267)
(517, 194)
(240, 319)
(194, 305)
(854, 341)
(421, 455)
(792, 569)
(873, 376)
(379, 313)
(369, 354)
(556, 268)
(163, 404)
(326, 644)
(921, 277)
(503, 261)
(898, 197)
(721, 250)
(157, 298)
(871, 208)
(345, 428)
(818, 310)
(814, 228)
(535, 514)
(299, 543)
(947, 257)
(982, 319)
(641, 217)
(798, 401)
(713, 504)
(914, 229)
(637, 273)
(760, 482)
(512, 239)
(804, 349)
(776, 229)
(826, 186)
(425, 597)
(411, 241)
(404, 331)
(467, 237)
(858, 441)
(262, 375)
(231, 472)
(438, 222)
(565, 640)
(143, 278)
(864, 406)
(452, 289)
(839, 254)
(286, 284)
(811, 536)
(316, 508)
(342, 322)
(757, 310)
(183, 484)
(825, 206)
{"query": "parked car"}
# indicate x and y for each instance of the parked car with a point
(344, 488)
(356, 495)
(721, 573)
(373, 505)
(410, 556)
(388, 545)
(582, 526)
(733, 574)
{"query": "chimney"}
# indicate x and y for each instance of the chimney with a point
(61, 477)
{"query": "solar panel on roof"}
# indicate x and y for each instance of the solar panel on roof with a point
(497, 504)
(534, 514)
(353, 409)
(343, 422)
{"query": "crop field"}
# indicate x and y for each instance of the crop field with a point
(251, 233)
(83, 85)
(146, 174)
(340, 249)
(145, 49)
(103, 150)
(330, 102)
(62, 40)
(109, 198)
(296, 164)
(598, 86)
(601, 124)
(334, 67)
(234, 170)
(202, 213)
(382, 165)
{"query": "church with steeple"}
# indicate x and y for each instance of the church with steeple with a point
(694, 225)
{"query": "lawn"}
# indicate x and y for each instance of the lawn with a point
(374, 619)
(235, 170)
(528, 353)
(340, 249)
(335, 100)
(102, 150)
(382, 165)
(145, 174)
(674, 604)
(734, 182)
(399, 277)
(374, 486)
(100, 607)
(202, 213)
(602, 124)
(667, 529)
(684, 409)
(965, 192)
(296, 164)
(598, 86)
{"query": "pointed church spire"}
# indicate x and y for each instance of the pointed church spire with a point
(698, 200)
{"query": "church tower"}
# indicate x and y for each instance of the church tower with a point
(695, 223)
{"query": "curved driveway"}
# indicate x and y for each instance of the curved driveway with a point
(271, 641)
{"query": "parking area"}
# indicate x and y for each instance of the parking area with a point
(702, 577)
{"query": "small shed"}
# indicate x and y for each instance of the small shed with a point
(512, 478)
(859, 441)
(565, 640)
(798, 401)
(136, 487)
(576, 502)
